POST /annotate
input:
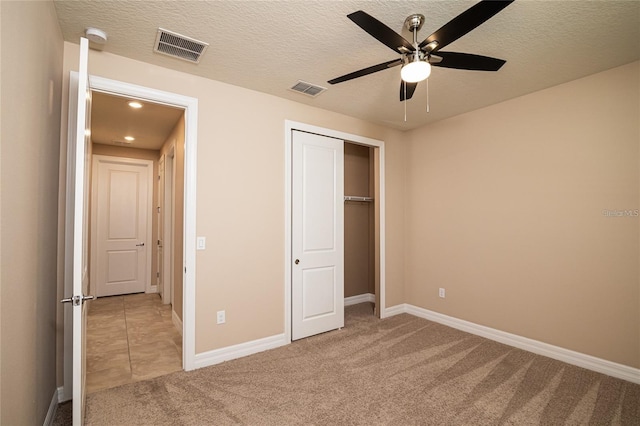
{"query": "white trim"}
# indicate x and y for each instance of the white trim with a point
(62, 395)
(347, 137)
(360, 298)
(53, 407)
(216, 356)
(190, 106)
(561, 354)
(396, 310)
(176, 321)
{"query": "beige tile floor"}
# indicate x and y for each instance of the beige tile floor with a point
(130, 338)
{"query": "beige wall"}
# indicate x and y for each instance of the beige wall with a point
(504, 210)
(240, 196)
(32, 50)
(176, 139)
(358, 224)
(141, 154)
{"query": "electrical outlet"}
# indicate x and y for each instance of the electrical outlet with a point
(441, 293)
(221, 317)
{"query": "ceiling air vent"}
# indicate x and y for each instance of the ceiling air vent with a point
(308, 88)
(179, 46)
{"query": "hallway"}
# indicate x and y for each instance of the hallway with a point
(130, 338)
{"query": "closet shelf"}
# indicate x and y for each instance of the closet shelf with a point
(356, 198)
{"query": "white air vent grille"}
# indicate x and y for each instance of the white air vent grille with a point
(308, 88)
(179, 46)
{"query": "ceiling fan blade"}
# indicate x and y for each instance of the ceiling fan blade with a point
(380, 31)
(465, 22)
(411, 87)
(366, 71)
(467, 61)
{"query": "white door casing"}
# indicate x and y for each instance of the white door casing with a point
(160, 228)
(121, 247)
(317, 234)
(169, 225)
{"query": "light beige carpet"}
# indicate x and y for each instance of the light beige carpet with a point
(401, 370)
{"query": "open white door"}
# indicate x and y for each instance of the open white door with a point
(77, 207)
(317, 292)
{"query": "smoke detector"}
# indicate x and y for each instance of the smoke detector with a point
(95, 35)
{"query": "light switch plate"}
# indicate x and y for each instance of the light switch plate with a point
(201, 243)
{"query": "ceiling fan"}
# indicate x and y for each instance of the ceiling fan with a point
(417, 59)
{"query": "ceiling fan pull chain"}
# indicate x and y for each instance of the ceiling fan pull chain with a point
(404, 85)
(427, 96)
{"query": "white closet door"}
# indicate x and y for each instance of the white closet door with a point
(317, 234)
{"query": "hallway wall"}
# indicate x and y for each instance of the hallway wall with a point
(31, 81)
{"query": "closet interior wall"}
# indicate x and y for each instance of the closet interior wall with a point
(359, 222)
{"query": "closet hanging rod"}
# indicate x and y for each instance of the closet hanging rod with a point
(355, 198)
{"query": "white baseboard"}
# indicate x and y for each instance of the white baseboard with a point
(176, 321)
(360, 298)
(217, 356)
(561, 354)
(62, 396)
(53, 407)
(395, 310)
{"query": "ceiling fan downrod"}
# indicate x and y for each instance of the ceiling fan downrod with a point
(414, 23)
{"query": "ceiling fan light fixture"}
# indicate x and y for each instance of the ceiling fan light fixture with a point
(415, 71)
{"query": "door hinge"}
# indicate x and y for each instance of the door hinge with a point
(158, 209)
(158, 274)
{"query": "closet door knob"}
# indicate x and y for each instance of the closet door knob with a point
(297, 261)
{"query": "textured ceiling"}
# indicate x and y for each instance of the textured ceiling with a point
(269, 45)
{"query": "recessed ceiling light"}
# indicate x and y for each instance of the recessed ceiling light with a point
(134, 104)
(129, 138)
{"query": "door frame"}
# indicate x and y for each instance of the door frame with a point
(288, 165)
(158, 212)
(169, 224)
(190, 106)
(149, 287)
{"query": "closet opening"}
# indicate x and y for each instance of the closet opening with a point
(360, 266)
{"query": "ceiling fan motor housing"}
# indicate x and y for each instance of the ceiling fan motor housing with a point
(414, 22)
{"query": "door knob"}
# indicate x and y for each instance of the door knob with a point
(297, 261)
(77, 300)
(140, 245)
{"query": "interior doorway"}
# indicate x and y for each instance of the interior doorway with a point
(131, 138)
(184, 206)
